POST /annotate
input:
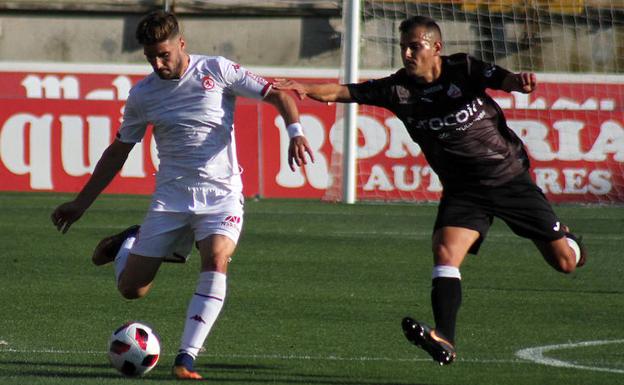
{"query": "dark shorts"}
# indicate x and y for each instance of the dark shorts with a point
(519, 202)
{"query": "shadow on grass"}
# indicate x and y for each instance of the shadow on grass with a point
(220, 373)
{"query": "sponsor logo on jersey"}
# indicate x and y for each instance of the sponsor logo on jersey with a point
(454, 91)
(208, 82)
(489, 71)
(460, 120)
(236, 67)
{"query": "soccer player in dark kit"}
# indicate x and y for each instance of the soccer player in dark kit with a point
(482, 164)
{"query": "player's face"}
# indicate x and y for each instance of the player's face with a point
(419, 51)
(167, 58)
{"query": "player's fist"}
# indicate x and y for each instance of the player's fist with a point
(528, 81)
(66, 214)
(297, 149)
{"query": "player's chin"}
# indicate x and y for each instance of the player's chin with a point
(165, 75)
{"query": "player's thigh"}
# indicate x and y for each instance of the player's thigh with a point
(217, 232)
(160, 234)
(460, 227)
(525, 209)
(140, 270)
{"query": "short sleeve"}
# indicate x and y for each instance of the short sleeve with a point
(486, 75)
(377, 92)
(134, 124)
(242, 81)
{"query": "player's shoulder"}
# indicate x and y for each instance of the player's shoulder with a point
(397, 77)
(144, 84)
(213, 62)
(457, 60)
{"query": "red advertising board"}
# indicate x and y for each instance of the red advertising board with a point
(55, 124)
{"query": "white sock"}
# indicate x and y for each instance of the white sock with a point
(445, 271)
(203, 311)
(575, 247)
(122, 256)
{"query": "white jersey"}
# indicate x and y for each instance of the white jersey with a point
(193, 122)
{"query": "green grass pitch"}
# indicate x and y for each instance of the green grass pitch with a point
(316, 295)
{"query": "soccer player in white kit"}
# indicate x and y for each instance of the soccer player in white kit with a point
(189, 100)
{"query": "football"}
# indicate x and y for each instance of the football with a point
(134, 349)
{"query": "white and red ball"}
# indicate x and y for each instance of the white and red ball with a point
(134, 349)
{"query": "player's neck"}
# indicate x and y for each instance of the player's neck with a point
(186, 61)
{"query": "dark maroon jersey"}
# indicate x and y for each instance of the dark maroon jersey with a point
(460, 129)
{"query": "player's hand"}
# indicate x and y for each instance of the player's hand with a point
(287, 84)
(528, 82)
(66, 214)
(296, 152)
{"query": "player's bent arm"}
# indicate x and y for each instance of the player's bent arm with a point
(299, 145)
(284, 104)
(107, 167)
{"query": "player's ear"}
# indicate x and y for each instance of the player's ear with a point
(437, 47)
(182, 43)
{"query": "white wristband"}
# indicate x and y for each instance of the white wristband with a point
(294, 129)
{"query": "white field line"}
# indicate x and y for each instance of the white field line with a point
(269, 356)
(536, 354)
(525, 356)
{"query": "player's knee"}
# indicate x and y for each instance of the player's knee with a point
(442, 254)
(218, 262)
(567, 264)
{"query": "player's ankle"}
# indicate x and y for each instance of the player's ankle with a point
(184, 359)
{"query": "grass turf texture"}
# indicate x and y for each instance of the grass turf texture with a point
(316, 295)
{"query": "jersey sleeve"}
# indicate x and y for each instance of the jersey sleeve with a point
(486, 75)
(376, 92)
(133, 125)
(243, 82)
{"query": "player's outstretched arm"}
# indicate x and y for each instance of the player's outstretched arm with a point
(325, 92)
(108, 166)
(524, 82)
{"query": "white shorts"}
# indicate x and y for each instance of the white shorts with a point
(164, 233)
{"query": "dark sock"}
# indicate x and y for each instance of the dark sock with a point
(446, 298)
(184, 359)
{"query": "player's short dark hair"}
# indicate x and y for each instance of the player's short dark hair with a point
(420, 21)
(156, 27)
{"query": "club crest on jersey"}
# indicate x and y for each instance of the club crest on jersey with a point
(208, 82)
(454, 91)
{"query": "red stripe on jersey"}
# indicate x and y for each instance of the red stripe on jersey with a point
(266, 88)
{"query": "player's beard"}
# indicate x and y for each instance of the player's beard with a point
(174, 73)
